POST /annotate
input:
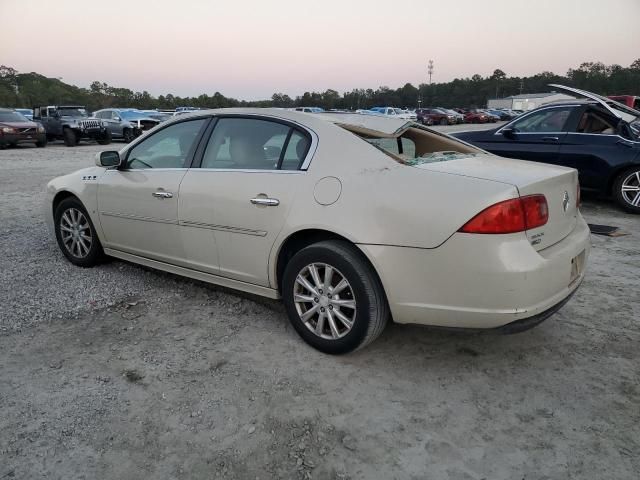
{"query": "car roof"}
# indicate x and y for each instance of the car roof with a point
(362, 121)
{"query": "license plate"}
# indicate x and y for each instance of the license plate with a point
(577, 264)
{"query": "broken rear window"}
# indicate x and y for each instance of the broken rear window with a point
(414, 145)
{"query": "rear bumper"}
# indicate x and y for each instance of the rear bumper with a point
(479, 281)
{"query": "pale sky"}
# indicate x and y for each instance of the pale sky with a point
(249, 49)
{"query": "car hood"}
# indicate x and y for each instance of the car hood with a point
(19, 124)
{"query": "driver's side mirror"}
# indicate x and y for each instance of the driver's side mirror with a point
(509, 132)
(110, 158)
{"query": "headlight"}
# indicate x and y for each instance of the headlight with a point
(8, 130)
(41, 129)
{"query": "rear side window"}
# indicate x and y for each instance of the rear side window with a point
(255, 144)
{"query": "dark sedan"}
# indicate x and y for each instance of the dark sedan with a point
(598, 137)
(15, 128)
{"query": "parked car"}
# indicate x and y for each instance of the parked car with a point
(27, 112)
(476, 116)
(459, 117)
(157, 115)
(597, 136)
(126, 124)
(433, 116)
(391, 112)
(367, 224)
(15, 129)
(71, 123)
(500, 114)
(309, 109)
(628, 100)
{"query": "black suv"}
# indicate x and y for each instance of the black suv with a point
(71, 123)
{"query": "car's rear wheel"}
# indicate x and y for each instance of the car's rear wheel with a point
(70, 137)
(76, 234)
(626, 190)
(333, 297)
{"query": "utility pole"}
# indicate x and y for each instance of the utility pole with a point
(521, 85)
(430, 70)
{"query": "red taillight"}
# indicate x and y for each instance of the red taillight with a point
(510, 216)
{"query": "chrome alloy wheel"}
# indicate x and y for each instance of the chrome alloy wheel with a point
(75, 232)
(631, 189)
(324, 301)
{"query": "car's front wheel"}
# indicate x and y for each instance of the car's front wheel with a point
(76, 234)
(333, 297)
(128, 136)
(105, 138)
(626, 189)
(70, 137)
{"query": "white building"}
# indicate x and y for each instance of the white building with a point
(527, 101)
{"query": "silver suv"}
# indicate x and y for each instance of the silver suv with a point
(125, 123)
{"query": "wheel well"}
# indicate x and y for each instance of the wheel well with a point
(301, 239)
(60, 196)
(612, 179)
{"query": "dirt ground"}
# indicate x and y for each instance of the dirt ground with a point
(120, 372)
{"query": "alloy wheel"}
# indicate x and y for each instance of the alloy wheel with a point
(75, 232)
(631, 189)
(324, 301)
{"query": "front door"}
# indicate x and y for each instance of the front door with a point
(138, 203)
(536, 136)
(238, 201)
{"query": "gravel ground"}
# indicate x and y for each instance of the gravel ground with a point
(128, 373)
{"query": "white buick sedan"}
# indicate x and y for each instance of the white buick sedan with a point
(351, 219)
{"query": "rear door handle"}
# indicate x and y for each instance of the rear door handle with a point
(550, 139)
(269, 202)
(162, 194)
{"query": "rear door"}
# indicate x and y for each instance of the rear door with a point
(593, 147)
(536, 136)
(238, 200)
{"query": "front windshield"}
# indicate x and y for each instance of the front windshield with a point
(133, 115)
(12, 117)
(72, 112)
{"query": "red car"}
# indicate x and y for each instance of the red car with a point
(435, 116)
(628, 100)
(15, 128)
(476, 116)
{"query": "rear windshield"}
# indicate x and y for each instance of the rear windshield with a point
(416, 146)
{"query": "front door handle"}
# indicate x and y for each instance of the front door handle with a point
(162, 194)
(269, 202)
(550, 139)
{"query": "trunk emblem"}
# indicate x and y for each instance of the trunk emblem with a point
(565, 201)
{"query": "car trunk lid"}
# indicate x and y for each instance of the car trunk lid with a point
(558, 184)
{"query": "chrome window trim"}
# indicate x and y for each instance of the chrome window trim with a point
(312, 148)
(181, 169)
(525, 115)
(248, 170)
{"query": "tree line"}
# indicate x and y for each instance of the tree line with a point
(30, 89)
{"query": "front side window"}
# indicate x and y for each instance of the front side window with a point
(171, 147)
(254, 144)
(544, 121)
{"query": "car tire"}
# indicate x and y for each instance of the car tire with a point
(105, 139)
(41, 143)
(76, 235)
(70, 137)
(127, 135)
(444, 121)
(626, 189)
(361, 299)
